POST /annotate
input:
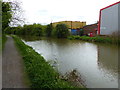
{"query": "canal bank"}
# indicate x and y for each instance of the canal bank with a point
(99, 39)
(40, 72)
(97, 63)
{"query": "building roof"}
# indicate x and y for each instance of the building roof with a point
(110, 5)
(91, 25)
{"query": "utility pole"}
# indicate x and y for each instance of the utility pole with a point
(71, 24)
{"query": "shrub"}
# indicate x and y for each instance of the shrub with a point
(62, 31)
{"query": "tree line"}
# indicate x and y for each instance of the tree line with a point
(8, 15)
(60, 31)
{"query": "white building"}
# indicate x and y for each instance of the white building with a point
(109, 20)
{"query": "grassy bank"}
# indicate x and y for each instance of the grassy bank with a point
(111, 40)
(40, 73)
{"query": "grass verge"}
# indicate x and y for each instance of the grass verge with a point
(40, 73)
(111, 40)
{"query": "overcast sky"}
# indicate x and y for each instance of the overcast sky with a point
(46, 11)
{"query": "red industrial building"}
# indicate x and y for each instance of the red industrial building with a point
(90, 30)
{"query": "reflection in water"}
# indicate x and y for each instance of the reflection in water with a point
(108, 58)
(96, 63)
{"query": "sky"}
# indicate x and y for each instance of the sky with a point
(47, 11)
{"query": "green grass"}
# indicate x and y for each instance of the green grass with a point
(100, 39)
(40, 73)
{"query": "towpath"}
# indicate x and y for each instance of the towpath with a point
(12, 66)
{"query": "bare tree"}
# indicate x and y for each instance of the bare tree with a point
(17, 13)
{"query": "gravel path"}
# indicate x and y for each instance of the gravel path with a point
(12, 66)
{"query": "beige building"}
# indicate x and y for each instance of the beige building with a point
(71, 24)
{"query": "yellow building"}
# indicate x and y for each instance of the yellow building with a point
(71, 24)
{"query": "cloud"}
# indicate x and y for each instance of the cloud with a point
(45, 11)
(42, 12)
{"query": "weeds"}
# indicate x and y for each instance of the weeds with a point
(96, 39)
(74, 77)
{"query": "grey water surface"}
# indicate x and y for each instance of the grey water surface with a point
(97, 63)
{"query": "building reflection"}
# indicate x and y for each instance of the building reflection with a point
(108, 57)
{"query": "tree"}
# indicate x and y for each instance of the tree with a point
(37, 29)
(49, 30)
(81, 32)
(62, 31)
(17, 13)
(6, 15)
(11, 14)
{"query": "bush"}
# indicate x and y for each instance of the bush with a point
(96, 39)
(49, 30)
(33, 30)
(62, 31)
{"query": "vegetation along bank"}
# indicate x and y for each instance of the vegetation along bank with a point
(100, 39)
(60, 31)
(40, 72)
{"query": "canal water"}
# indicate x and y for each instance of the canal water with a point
(96, 63)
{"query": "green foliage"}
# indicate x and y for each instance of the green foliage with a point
(49, 30)
(10, 30)
(81, 32)
(96, 39)
(62, 31)
(6, 14)
(35, 29)
(32, 30)
(40, 73)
